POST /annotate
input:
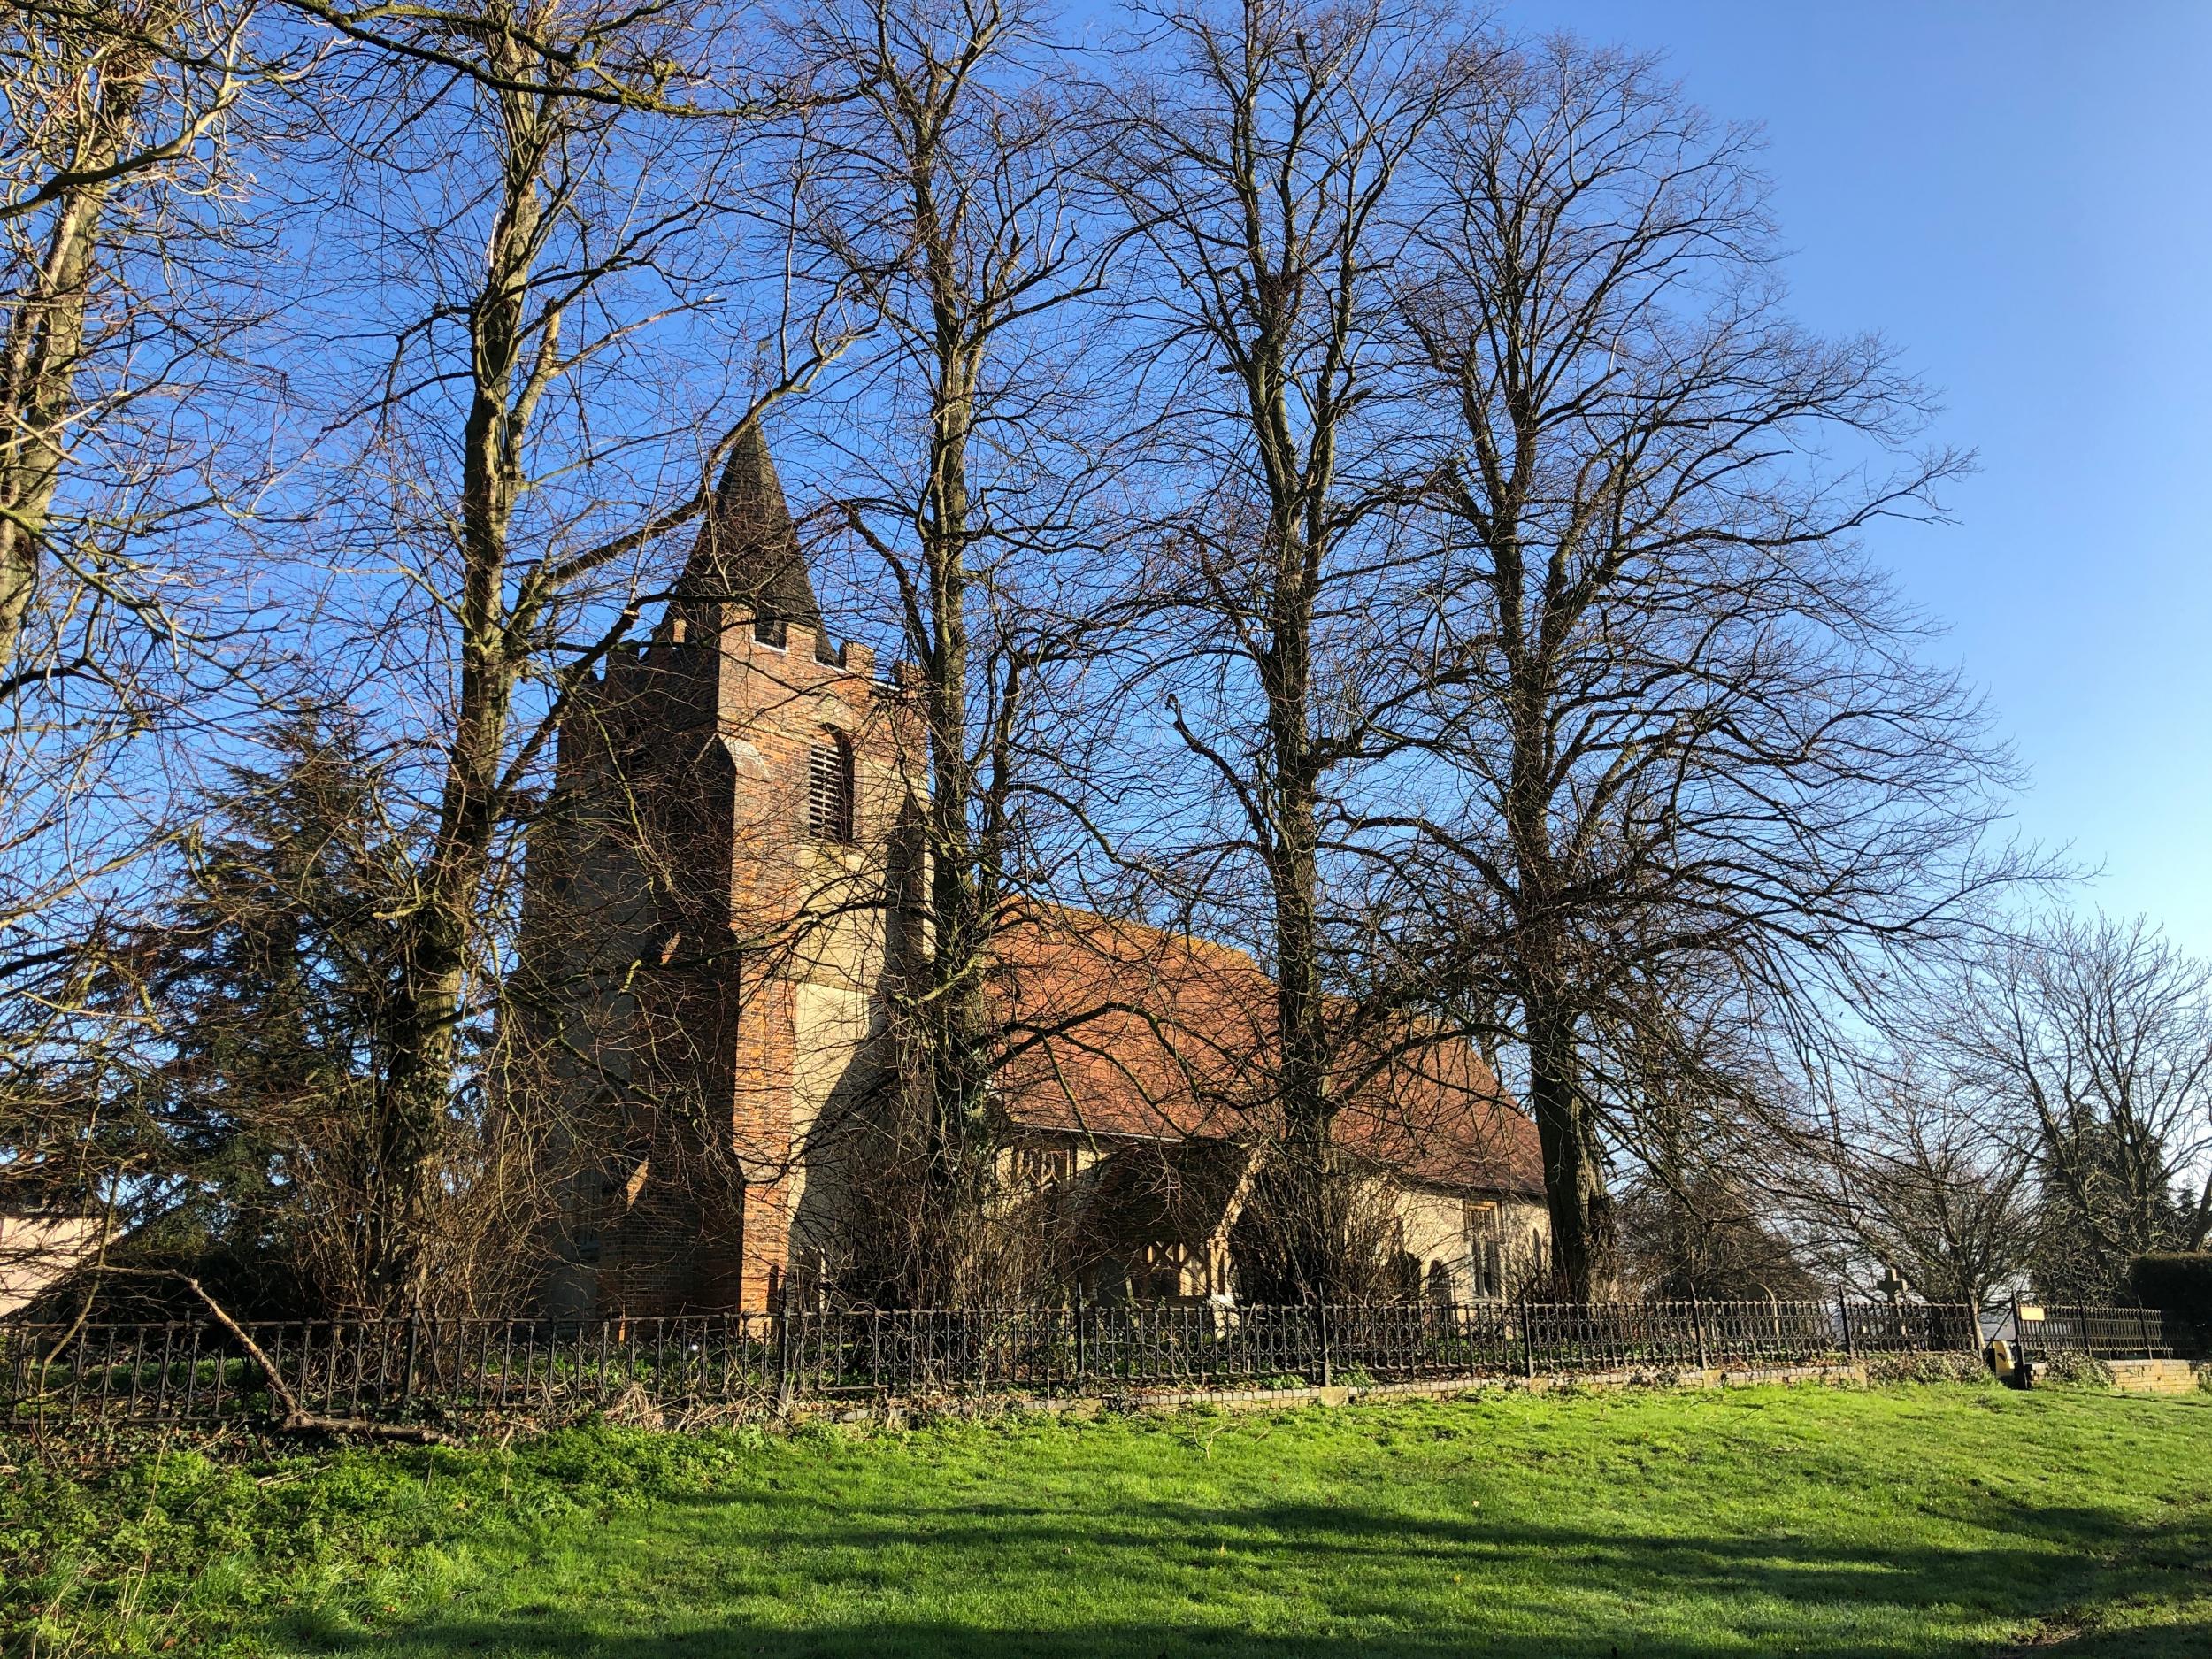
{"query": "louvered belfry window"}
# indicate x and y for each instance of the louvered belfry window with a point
(829, 789)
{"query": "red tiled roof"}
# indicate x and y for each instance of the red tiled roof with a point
(1125, 1030)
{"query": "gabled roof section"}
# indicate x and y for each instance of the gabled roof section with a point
(1129, 1031)
(748, 553)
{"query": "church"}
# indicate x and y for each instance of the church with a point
(720, 892)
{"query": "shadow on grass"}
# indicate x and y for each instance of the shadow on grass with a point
(1381, 1576)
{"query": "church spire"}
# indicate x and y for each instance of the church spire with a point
(747, 552)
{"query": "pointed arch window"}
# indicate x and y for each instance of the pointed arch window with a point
(829, 789)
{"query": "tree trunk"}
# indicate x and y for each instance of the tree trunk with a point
(508, 372)
(45, 345)
(962, 1152)
(1574, 1177)
(1300, 1012)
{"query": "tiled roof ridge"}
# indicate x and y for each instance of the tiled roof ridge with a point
(1141, 930)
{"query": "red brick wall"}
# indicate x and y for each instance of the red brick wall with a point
(719, 738)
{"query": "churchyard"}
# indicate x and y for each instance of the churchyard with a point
(1947, 1519)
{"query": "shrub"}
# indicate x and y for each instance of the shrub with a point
(2178, 1284)
(2071, 1369)
(1939, 1366)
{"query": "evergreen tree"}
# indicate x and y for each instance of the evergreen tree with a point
(269, 982)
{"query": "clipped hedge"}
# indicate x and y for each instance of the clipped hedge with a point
(2177, 1283)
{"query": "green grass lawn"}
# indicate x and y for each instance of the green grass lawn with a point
(1918, 1520)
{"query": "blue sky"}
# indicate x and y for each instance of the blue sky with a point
(2019, 196)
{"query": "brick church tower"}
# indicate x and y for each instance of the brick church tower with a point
(709, 913)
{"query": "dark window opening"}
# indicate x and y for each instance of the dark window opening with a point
(829, 792)
(1405, 1275)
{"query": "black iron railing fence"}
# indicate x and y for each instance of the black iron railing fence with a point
(2106, 1333)
(473, 1371)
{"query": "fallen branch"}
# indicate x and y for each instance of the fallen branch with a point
(297, 1419)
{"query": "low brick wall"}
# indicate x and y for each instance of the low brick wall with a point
(2152, 1376)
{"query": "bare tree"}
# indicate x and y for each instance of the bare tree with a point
(947, 178)
(1912, 1172)
(1262, 170)
(551, 266)
(2088, 1045)
(1710, 1142)
(63, 142)
(124, 636)
(112, 164)
(1697, 759)
(124, 307)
